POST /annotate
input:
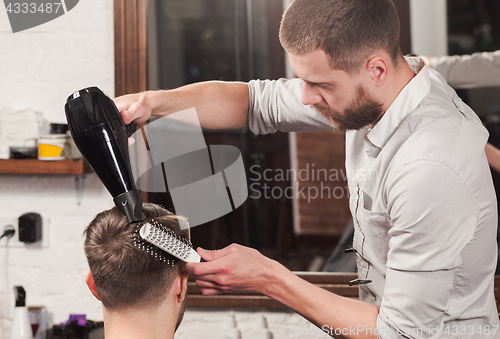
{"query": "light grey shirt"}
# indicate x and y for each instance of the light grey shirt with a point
(470, 71)
(422, 201)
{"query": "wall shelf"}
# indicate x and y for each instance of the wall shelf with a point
(35, 166)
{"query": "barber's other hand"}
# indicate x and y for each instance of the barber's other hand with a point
(132, 107)
(234, 268)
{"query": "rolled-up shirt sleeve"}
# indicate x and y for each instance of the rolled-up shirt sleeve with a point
(470, 71)
(275, 105)
(432, 220)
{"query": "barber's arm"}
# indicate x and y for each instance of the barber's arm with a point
(468, 71)
(238, 269)
(266, 106)
(220, 105)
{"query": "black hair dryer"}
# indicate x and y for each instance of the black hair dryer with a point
(101, 136)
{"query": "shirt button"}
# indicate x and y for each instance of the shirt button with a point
(358, 227)
(362, 263)
(371, 298)
(354, 191)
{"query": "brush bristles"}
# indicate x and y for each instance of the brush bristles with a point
(165, 239)
(151, 249)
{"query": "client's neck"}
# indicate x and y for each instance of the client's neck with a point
(140, 323)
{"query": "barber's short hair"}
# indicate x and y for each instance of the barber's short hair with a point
(348, 31)
(125, 275)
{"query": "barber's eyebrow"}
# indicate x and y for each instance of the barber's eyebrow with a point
(313, 83)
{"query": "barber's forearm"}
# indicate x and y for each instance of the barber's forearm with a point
(330, 312)
(220, 105)
(470, 71)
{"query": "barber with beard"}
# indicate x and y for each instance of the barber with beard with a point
(422, 198)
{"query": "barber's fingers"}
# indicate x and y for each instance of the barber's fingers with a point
(122, 104)
(212, 255)
(131, 109)
(133, 112)
(210, 288)
(204, 269)
(216, 262)
(210, 291)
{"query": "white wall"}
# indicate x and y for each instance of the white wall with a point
(213, 324)
(42, 66)
(39, 69)
(429, 27)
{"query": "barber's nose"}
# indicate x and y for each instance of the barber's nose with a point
(310, 95)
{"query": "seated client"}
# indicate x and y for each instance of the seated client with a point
(142, 296)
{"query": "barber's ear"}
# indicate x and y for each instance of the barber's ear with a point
(181, 286)
(89, 279)
(377, 68)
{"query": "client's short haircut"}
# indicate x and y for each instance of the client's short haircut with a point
(125, 275)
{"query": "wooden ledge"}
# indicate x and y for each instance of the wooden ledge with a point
(337, 283)
(35, 166)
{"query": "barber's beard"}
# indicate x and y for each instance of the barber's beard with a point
(362, 111)
(181, 313)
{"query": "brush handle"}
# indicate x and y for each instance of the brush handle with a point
(193, 256)
(168, 242)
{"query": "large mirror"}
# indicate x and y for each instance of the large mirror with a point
(234, 40)
(297, 207)
(169, 43)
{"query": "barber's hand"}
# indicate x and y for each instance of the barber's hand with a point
(133, 108)
(234, 268)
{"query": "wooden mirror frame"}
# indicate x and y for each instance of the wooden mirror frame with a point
(131, 77)
(130, 46)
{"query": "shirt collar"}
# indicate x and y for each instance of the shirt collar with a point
(407, 100)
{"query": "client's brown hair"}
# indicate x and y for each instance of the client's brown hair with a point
(124, 275)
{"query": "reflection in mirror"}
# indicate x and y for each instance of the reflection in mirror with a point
(267, 224)
(237, 40)
(196, 40)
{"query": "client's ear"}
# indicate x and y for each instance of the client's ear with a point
(91, 284)
(181, 285)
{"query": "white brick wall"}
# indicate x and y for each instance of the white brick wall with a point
(213, 324)
(39, 69)
(42, 66)
(53, 276)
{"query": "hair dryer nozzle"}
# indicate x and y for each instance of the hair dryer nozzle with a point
(130, 204)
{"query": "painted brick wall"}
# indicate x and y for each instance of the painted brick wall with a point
(39, 69)
(213, 324)
(42, 66)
